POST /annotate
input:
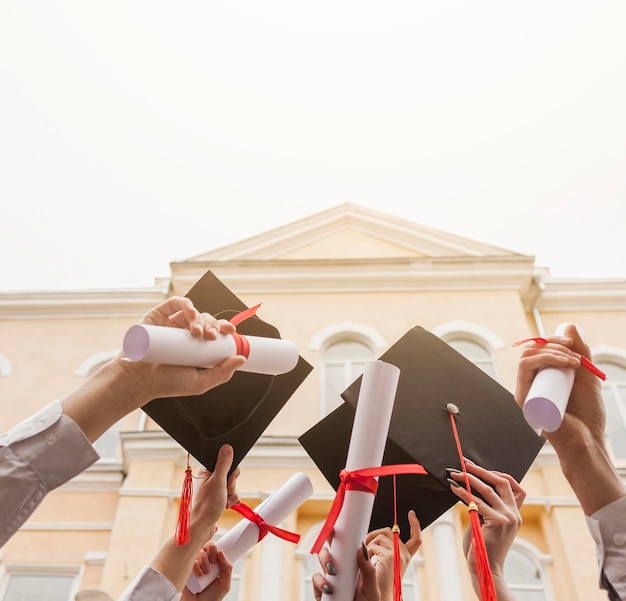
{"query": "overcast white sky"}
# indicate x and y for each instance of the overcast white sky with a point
(133, 134)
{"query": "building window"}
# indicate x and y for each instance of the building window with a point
(525, 574)
(39, 587)
(342, 363)
(478, 354)
(614, 395)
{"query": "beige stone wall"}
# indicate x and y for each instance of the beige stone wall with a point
(112, 520)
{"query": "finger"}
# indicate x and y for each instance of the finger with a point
(231, 488)
(223, 462)
(216, 375)
(384, 532)
(369, 582)
(326, 561)
(383, 539)
(415, 536)
(210, 326)
(226, 568)
(321, 585)
(504, 485)
(518, 492)
(226, 327)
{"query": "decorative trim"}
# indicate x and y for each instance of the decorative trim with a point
(81, 304)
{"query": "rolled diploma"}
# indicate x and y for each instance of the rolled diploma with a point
(367, 446)
(176, 346)
(243, 536)
(547, 398)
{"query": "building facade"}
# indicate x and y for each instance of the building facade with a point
(344, 285)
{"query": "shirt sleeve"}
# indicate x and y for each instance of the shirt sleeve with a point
(36, 456)
(150, 585)
(608, 529)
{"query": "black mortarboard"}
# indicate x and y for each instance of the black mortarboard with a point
(238, 411)
(491, 428)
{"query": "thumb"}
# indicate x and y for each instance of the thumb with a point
(223, 462)
(415, 539)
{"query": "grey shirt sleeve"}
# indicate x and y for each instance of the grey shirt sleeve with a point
(36, 456)
(150, 585)
(608, 529)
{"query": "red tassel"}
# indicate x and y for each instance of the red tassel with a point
(481, 559)
(397, 576)
(184, 513)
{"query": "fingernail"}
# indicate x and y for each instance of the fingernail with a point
(453, 470)
(468, 461)
(330, 568)
(327, 588)
(366, 553)
(453, 482)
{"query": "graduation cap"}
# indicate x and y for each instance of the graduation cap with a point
(238, 411)
(490, 425)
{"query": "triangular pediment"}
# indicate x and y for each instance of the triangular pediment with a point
(349, 231)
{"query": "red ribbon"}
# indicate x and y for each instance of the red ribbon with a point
(583, 360)
(264, 528)
(242, 344)
(363, 480)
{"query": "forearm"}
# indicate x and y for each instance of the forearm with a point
(115, 390)
(175, 561)
(589, 470)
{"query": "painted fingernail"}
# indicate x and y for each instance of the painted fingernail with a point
(327, 588)
(366, 553)
(452, 482)
(330, 568)
(453, 470)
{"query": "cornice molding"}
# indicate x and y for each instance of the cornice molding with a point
(582, 295)
(363, 275)
(80, 304)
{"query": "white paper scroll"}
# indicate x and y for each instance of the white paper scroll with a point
(367, 445)
(547, 398)
(242, 537)
(176, 346)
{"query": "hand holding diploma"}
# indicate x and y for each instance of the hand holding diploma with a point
(175, 346)
(367, 445)
(547, 395)
(242, 537)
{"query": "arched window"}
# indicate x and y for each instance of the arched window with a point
(476, 353)
(614, 395)
(525, 573)
(343, 362)
(344, 349)
(474, 342)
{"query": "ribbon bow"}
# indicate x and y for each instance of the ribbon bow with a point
(363, 480)
(264, 527)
